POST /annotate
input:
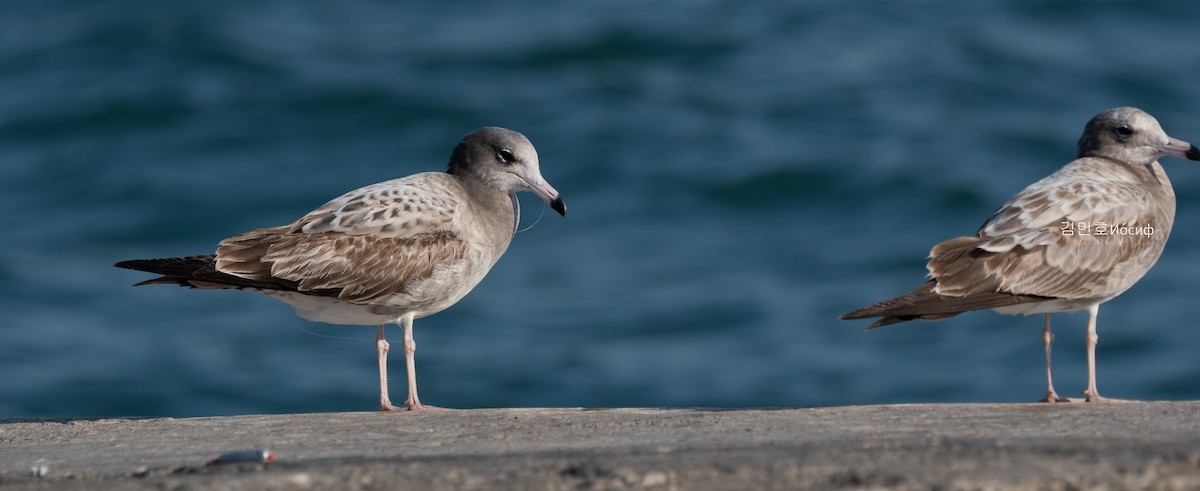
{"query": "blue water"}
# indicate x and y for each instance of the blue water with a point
(737, 175)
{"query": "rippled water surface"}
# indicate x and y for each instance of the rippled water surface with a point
(737, 176)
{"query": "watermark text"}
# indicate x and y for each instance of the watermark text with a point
(1102, 229)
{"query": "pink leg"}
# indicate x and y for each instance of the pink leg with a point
(381, 347)
(1048, 340)
(1091, 394)
(410, 350)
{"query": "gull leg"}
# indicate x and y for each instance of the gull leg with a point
(1091, 394)
(381, 347)
(410, 350)
(1048, 340)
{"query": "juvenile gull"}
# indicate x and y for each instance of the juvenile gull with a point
(1069, 242)
(387, 253)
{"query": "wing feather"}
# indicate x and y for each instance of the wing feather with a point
(1060, 241)
(1086, 234)
(370, 243)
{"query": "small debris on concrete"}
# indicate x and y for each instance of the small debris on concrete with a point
(259, 455)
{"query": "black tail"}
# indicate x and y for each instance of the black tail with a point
(201, 272)
(898, 309)
(175, 270)
(925, 304)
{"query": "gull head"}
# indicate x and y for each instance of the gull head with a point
(1129, 134)
(504, 160)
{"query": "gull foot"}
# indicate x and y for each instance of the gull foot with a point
(1054, 397)
(411, 407)
(1093, 397)
(423, 407)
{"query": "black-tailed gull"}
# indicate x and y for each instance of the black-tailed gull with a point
(387, 253)
(1069, 242)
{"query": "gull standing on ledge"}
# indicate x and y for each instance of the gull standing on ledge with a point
(1069, 242)
(387, 253)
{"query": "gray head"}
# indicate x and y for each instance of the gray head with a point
(1128, 134)
(504, 160)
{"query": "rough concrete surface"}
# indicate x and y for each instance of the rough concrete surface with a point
(971, 446)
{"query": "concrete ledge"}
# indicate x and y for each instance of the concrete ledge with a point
(968, 446)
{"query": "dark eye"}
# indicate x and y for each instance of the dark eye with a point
(1124, 130)
(505, 155)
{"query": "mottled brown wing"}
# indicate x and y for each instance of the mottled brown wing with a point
(1074, 240)
(369, 243)
(361, 267)
(1032, 250)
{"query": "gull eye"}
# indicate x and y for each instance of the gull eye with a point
(1124, 130)
(505, 156)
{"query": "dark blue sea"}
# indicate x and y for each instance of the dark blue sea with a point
(737, 173)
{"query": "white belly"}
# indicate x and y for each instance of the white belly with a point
(330, 310)
(1051, 306)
